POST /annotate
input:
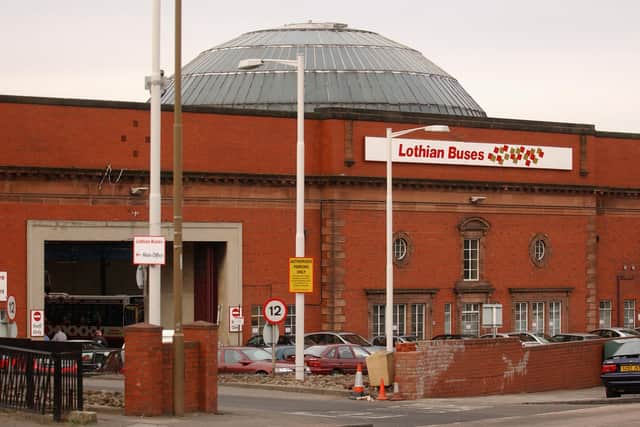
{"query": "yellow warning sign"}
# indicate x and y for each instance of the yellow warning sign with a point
(300, 275)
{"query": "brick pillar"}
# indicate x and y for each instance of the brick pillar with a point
(143, 370)
(206, 334)
(332, 268)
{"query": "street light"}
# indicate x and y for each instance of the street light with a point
(247, 64)
(388, 312)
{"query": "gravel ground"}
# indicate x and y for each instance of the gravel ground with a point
(328, 383)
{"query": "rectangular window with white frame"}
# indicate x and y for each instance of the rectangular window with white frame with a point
(377, 325)
(470, 320)
(520, 314)
(417, 320)
(290, 320)
(605, 314)
(471, 259)
(399, 319)
(447, 318)
(537, 317)
(555, 320)
(257, 319)
(630, 313)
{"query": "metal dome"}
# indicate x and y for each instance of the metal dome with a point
(344, 67)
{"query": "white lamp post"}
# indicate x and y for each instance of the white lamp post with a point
(388, 312)
(246, 64)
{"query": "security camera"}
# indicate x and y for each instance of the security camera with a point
(476, 199)
(137, 191)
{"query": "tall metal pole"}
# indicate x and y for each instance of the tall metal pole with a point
(300, 242)
(388, 309)
(152, 309)
(178, 337)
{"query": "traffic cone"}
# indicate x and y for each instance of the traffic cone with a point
(382, 395)
(358, 387)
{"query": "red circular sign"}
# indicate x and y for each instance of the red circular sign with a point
(235, 311)
(274, 310)
(37, 316)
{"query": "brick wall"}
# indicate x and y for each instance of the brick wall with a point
(149, 370)
(458, 368)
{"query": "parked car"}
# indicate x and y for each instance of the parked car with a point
(258, 341)
(250, 360)
(336, 358)
(454, 337)
(615, 332)
(381, 340)
(526, 338)
(93, 354)
(620, 373)
(283, 352)
(330, 337)
(573, 336)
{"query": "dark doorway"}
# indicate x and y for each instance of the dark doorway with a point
(205, 281)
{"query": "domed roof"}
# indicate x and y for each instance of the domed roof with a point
(344, 67)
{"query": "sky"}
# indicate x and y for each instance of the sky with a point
(571, 61)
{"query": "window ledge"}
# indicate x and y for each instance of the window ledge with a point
(473, 286)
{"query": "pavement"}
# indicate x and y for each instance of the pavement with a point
(248, 417)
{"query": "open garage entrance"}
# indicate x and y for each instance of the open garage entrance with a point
(91, 286)
(82, 273)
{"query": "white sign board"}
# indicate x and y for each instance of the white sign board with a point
(149, 250)
(236, 321)
(465, 153)
(37, 323)
(3, 285)
(491, 315)
(270, 333)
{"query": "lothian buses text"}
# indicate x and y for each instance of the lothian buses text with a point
(426, 152)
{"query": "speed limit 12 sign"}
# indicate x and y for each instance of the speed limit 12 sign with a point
(11, 308)
(274, 310)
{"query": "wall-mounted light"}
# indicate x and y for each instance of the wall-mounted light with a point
(138, 191)
(476, 199)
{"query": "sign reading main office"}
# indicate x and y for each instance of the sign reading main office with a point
(469, 153)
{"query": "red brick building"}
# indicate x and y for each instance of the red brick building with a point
(554, 243)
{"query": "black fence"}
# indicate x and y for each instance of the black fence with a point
(40, 376)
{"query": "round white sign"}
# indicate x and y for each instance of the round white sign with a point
(11, 307)
(274, 310)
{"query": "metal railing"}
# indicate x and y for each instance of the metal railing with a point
(42, 377)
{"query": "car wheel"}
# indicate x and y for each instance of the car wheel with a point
(261, 373)
(336, 372)
(612, 393)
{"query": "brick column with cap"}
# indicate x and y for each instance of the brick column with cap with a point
(143, 370)
(206, 334)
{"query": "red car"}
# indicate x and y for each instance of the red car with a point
(335, 358)
(250, 360)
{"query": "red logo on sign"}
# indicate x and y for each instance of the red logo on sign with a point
(37, 316)
(235, 311)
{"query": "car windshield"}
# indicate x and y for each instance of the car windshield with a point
(257, 354)
(314, 350)
(355, 339)
(542, 337)
(629, 331)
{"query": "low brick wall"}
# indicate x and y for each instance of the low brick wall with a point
(457, 368)
(149, 370)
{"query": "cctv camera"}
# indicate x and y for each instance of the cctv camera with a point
(136, 191)
(476, 199)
